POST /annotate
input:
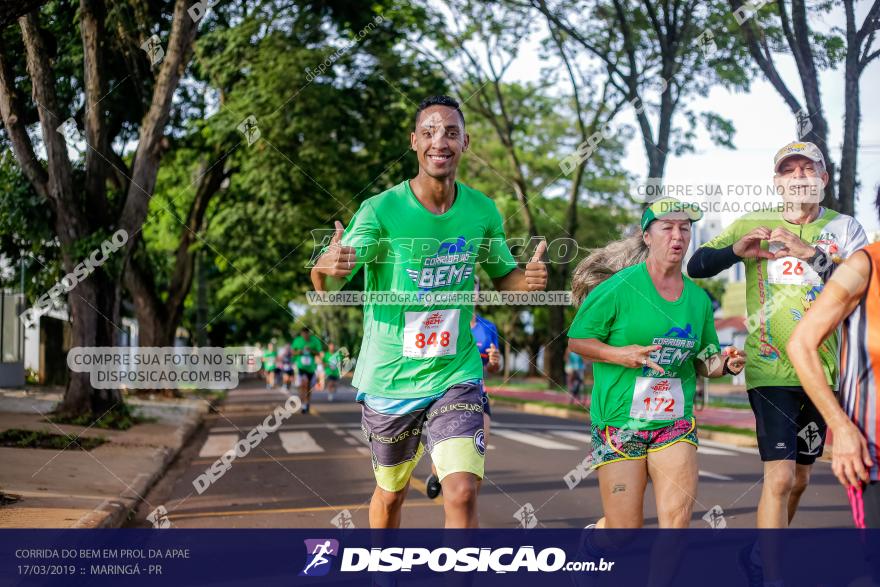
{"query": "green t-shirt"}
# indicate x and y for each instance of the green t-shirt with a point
(331, 363)
(626, 309)
(778, 292)
(268, 360)
(307, 359)
(421, 349)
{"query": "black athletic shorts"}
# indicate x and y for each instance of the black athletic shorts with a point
(309, 376)
(790, 427)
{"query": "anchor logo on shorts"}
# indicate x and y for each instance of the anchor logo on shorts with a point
(480, 442)
(810, 435)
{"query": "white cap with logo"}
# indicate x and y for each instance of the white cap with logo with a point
(803, 149)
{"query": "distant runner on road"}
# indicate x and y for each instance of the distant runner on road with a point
(306, 349)
(331, 359)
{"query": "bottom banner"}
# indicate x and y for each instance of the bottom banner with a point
(440, 557)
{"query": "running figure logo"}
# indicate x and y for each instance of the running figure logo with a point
(319, 554)
(812, 438)
(526, 516)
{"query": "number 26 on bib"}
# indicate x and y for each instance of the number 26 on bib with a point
(792, 271)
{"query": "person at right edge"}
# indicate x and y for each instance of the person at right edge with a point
(789, 253)
(851, 300)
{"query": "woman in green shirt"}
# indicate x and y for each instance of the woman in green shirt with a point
(649, 331)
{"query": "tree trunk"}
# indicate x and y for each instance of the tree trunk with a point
(846, 190)
(94, 313)
(533, 348)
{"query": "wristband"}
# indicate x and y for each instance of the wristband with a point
(725, 370)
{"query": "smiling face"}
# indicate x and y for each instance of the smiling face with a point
(439, 140)
(668, 237)
(800, 180)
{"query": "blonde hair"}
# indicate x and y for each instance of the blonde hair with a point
(602, 263)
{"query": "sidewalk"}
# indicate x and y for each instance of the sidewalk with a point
(708, 416)
(74, 488)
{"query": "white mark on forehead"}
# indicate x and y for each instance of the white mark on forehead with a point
(436, 124)
(435, 119)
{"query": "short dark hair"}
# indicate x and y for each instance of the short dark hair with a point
(447, 101)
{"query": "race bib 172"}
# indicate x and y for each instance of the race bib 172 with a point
(657, 398)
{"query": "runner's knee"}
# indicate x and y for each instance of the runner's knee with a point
(801, 480)
(390, 499)
(780, 482)
(460, 491)
(677, 511)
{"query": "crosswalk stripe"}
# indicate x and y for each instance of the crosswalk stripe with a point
(572, 435)
(716, 476)
(364, 451)
(356, 426)
(359, 436)
(350, 440)
(217, 444)
(299, 442)
(708, 450)
(533, 440)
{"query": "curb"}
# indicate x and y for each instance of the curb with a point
(739, 440)
(113, 513)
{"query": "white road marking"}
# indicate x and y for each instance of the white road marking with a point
(742, 449)
(710, 450)
(533, 440)
(218, 444)
(572, 435)
(716, 476)
(294, 427)
(364, 451)
(299, 442)
(359, 436)
(350, 440)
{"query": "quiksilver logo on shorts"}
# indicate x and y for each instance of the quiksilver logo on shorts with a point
(480, 442)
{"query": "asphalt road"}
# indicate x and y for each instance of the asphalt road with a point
(315, 472)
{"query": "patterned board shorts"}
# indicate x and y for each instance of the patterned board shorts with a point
(612, 444)
(449, 426)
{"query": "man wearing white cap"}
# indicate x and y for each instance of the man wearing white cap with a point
(788, 253)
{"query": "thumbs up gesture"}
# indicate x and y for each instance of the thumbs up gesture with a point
(536, 269)
(338, 260)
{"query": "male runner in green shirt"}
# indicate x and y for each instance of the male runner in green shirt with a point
(332, 358)
(306, 349)
(419, 371)
(788, 253)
